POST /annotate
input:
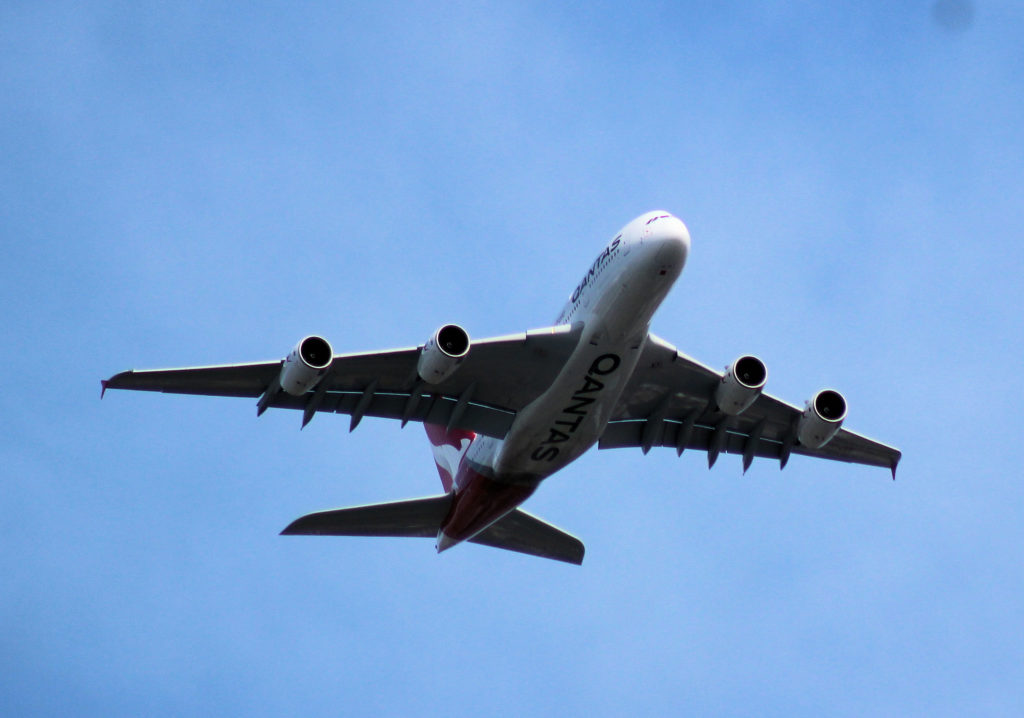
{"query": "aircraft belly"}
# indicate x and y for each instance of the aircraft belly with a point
(569, 418)
(565, 421)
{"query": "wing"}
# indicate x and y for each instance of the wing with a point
(499, 376)
(669, 402)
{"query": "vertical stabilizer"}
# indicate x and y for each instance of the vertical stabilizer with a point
(449, 446)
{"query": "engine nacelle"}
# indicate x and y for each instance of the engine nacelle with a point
(442, 355)
(821, 419)
(741, 385)
(306, 365)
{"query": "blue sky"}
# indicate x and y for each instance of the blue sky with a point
(208, 184)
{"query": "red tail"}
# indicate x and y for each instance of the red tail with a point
(449, 448)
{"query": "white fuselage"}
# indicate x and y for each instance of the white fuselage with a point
(613, 304)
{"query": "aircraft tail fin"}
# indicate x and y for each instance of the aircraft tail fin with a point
(449, 446)
(517, 531)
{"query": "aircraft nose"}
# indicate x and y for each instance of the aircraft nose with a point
(672, 238)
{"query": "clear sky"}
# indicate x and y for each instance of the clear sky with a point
(208, 184)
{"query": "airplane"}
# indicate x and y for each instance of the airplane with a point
(504, 413)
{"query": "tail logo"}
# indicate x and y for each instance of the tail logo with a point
(449, 447)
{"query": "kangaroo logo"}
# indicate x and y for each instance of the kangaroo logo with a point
(449, 447)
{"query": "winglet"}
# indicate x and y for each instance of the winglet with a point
(103, 383)
(895, 463)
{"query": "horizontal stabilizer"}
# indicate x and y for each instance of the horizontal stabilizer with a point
(522, 532)
(518, 531)
(414, 517)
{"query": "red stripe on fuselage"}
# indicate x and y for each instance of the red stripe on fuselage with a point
(480, 501)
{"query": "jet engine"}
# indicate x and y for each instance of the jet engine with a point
(821, 419)
(306, 365)
(442, 355)
(741, 385)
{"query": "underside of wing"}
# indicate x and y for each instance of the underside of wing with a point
(670, 401)
(244, 380)
(497, 377)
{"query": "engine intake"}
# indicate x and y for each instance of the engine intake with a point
(742, 384)
(821, 419)
(443, 353)
(306, 365)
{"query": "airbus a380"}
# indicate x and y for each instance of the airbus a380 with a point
(504, 413)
